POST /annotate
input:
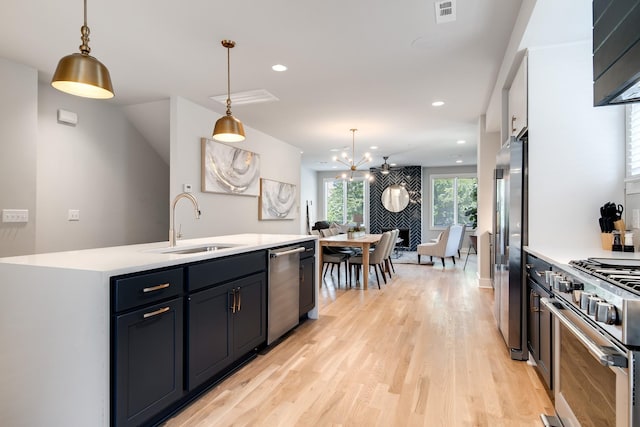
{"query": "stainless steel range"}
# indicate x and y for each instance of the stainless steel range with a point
(596, 310)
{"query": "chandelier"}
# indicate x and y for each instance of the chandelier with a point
(350, 161)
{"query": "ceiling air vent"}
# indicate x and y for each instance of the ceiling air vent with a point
(247, 97)
(445, 11)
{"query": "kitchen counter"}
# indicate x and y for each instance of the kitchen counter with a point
(125, 259)
(557, 255)
(55, 324)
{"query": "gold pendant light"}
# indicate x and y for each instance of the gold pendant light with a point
(228, 128)
(81, 74)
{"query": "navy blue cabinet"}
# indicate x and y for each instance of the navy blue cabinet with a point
(177, 331)
(307, 278)
(147, 346)
(226, 322)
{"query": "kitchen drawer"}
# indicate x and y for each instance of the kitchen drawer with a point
(145, 288)
(221, 270)
(535, 268)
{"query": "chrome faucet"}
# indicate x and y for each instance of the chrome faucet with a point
(172, 230)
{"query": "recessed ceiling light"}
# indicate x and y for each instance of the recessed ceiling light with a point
(373, 147)
(459, 161)
(462, 141)
(337, 150)
(437, 103)
(279, 67)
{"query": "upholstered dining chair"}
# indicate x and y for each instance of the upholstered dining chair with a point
(376, 258)
(333, 257)
(392, 245)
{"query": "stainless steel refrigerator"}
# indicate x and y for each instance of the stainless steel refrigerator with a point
(510, 235)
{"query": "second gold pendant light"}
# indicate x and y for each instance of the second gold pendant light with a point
(228, 128)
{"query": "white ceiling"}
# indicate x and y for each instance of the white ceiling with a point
(374, 65)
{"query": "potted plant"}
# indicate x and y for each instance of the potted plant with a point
(472, 211)
(355, 231)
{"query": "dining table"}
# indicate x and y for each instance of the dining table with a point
(343, 240)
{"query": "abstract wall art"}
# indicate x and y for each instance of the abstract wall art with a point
(277, 200)
(229, 170)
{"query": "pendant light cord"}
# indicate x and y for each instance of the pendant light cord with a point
(228, 81)
(84, 47)
(353, 146)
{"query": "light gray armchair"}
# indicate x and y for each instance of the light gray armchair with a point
(445, 246)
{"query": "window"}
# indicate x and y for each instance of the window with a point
(345, 200)
(633, 140)
(451, 197)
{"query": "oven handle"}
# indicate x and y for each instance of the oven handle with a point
(608, 356)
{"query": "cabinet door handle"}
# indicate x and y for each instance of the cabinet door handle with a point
(156, 288)
(239, 299)
(155, 313)
(532, 302)
(513, 123)
(233, 304)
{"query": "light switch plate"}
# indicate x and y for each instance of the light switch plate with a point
(15, 215)
(73, 215)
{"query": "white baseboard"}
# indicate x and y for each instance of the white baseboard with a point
(485, 283)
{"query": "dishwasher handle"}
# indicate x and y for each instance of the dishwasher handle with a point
(289, 252)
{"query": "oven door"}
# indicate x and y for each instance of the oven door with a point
(592, 385)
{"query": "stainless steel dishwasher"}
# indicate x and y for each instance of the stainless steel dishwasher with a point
(284, 291)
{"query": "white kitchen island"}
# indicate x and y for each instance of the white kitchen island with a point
(55, 325)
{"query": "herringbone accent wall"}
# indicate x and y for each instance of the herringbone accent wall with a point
(411, 217)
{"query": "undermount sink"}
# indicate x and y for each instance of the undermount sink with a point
(211, 247)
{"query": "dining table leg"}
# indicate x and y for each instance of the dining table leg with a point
(365, 265)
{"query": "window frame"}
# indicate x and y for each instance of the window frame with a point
(455, 176)
(632, 142)
(345, 182)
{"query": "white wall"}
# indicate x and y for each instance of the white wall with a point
(224, 213)
(308, 197)
(488, 146)
(18, 142)
(576, 151)
(103, 167)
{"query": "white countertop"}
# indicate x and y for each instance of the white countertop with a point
(557, 255)
(57, 312)
(125, 259)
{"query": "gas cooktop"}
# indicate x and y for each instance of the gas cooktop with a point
(624, 273)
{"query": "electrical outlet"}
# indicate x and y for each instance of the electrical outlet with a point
(187, 188)
(15, 215)
(73, 215)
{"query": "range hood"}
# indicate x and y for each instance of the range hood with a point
(616, 51)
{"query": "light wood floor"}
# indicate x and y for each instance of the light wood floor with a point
(423, 351)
